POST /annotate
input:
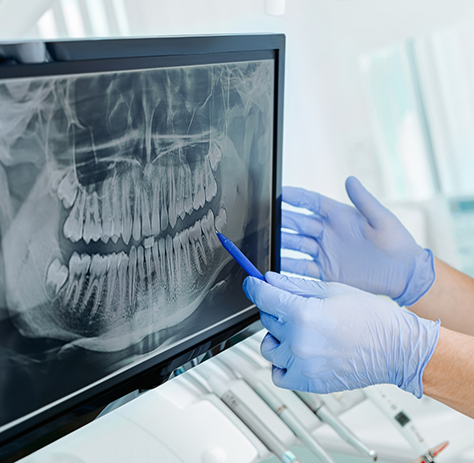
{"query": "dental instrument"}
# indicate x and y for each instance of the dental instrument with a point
(312, 401)
(322, 411)
(245, 369)
(387, 405)
(240, 258)
(207, 371)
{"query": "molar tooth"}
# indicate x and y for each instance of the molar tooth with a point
(56, 276)
(126, 209)
(137, 226)
(97, 274)
(207, 225)
(92, 223)
(78, 268)
(132, 276)
(211, 185)
(67, 189)
(172, 215)
(155, 212)
(201, 241)
(188, 189)
(199, 198)
(146, 225)
(180, 193)
(220, 222)
(215, 156)
(74, 224)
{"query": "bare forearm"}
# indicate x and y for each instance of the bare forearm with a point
(449, 375)
(451, 299)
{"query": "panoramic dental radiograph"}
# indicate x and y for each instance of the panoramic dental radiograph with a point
(112, 186)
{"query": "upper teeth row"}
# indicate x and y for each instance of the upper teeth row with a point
(137, 205)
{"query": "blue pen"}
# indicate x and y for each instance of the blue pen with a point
(237, 254)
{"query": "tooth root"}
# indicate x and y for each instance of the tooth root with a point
(156, 261)
(122, 278)
(74, 224)
(172, 216)
(107, 211)
(188, 189)
(67, 189)
(199, 197)
(113, 261)
(170, 261)
(95, 289)
(197, 247)
(177, 258)
(184, 237)
(146, 225)
(161, 248)
(92, 223)
(56, 276)
(215, 156)
(211, 185)
(137, 227)
(155, 213)
(126, 209)
(180, 193)
(142, 283)
(149, 273)
(132, 276)
(199, 234)
(78, 268)
(163, 207)
(116, 198)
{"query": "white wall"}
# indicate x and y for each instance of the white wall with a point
(327, 124)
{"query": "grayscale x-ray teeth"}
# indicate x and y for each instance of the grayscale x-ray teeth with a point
(112, 188)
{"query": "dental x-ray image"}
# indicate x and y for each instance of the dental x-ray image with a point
(111, 188)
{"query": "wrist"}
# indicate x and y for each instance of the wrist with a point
(420, 280)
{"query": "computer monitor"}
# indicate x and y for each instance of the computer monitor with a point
(118, 161)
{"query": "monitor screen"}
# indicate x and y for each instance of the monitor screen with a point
(115, 172)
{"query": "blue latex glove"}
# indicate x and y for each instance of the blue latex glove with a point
(366, 246)
(329, 337)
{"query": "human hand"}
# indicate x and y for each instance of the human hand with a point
(329, 337)
(366, 246)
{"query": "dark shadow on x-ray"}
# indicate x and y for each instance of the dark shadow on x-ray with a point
(111, 188)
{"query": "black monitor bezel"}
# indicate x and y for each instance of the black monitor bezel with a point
(85, 56)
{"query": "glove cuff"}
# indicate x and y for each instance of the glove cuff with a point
(421, 279)
(423, 349)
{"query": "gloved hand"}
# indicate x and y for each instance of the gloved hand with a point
(329, 337)
(366, 247)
